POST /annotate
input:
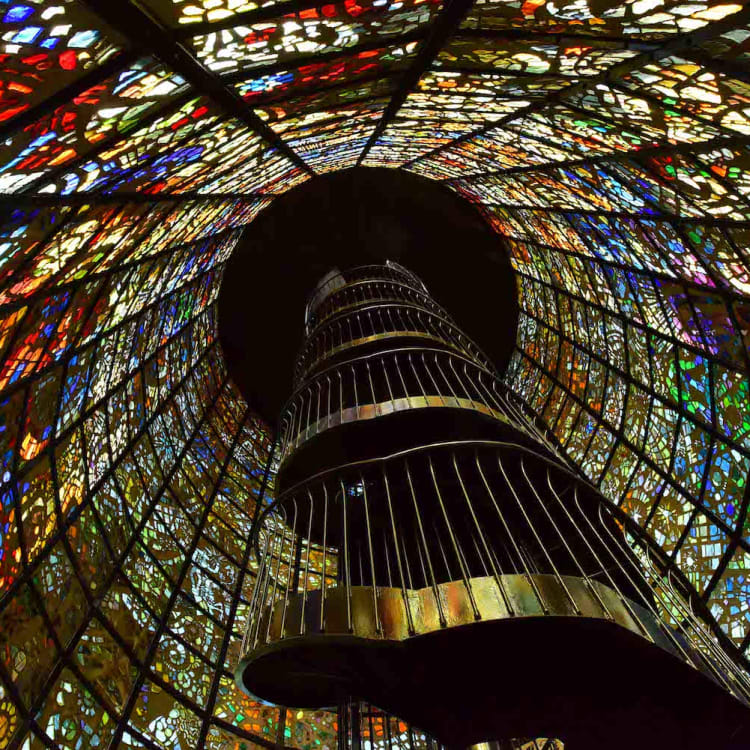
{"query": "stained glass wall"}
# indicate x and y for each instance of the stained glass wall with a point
(606, 143)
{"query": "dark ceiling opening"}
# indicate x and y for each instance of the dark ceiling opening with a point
(350, 218)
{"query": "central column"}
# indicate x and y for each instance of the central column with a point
(430, 553)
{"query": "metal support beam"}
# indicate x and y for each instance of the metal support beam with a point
(66, 94)
(246, 18)
(635, 155)
(447, 22)
(236, 600)
(146, 33)
(568, 38)
(729, 68)
(49, 200)
(674, 45)
(344, 53)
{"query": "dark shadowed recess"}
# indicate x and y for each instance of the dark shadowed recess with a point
(351, 218)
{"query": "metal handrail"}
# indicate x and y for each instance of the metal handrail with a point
(608, 569)
(307, 359)
(394, 268)
(322, 317)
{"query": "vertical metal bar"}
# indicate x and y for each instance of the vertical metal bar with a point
(291, 567)
(387, 379)
(410, 622)
(341, 736)
(372, 387)
(440, 370)
(425, 577)
(401, 376)
(464, 572)
(487, 391)
(495, 571)
(416, 376)
(461, 383)
(605, 569)
(307, 563)
(448, 570)
(477, 391)
(317, 408)
(256, 605)
(511, 536)
(408, 572)
(544, 546)
(378, 626)
(290, 435)
(441, 614)
(341, 393)
(325, 561)
(308, 394)
(359, 561)
(387, 560)
(328, 420)
(299, 424)
(478, 552)
(435, 385)
(347, 571)
(264, 596)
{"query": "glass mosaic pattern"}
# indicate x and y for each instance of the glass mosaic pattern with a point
(607, 145)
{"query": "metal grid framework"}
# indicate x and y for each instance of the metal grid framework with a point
(606, 144)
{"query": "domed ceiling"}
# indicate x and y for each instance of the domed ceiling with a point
(606, 143)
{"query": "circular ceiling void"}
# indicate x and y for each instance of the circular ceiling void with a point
(351, 218)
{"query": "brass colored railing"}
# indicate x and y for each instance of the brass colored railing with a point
(328, 566)
(381, 322)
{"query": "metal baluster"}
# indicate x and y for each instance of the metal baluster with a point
(328, 408)
(523, 564)
(470, 505)
(295, 544)
(435, 385)
(416, 377)
(354, 383)
(387, 560)
(464, 572)
(442, 374)
(256, 607)
(347, 572)
(341, 393)
(441, 614)
(381, 359)
(275, 585)
(325, 561)
(398, 553)
(308, 394)
(585, 575)
(302, 627)
(448, 571)
(605, 568)
(317, 407)
(460, 381)
(372, 387)
(378, 626)
(401, 376)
